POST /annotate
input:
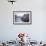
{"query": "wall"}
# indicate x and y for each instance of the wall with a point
(9, 31)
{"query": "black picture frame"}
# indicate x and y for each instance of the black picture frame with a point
(22, 15)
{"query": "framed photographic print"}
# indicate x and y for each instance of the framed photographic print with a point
(22, 17)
